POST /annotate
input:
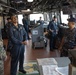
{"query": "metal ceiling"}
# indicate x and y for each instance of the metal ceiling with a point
(40, 5)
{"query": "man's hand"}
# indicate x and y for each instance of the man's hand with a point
(45, 33)
(59, 49)
(24, 43)
(51, 30)
(5, 58)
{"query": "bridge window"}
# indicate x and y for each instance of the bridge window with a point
(64, 17)
(20, 17)
(36, 17)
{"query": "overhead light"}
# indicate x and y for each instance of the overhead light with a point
(28, 10)
(19, 2)
(30, 0)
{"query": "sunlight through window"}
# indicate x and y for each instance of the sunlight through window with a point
(20, 17)
(36, 17)
(64, 18)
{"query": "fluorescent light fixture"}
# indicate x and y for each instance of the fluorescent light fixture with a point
(26, 11)
(30, 0)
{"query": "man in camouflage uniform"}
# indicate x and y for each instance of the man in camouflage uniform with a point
(69, 39)
(2, 57)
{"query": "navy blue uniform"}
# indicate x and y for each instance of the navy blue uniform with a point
(53, 26)
(25, 24)
(41, 22)
(70, 41)
(17, 35)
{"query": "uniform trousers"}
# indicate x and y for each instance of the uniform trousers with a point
(17, 54)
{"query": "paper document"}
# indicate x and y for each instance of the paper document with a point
(62, 70)
(49, 70)
(47, 61)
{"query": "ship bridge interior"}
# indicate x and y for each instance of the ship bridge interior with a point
(38, 54)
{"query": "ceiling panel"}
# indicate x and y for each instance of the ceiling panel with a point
(41, 5)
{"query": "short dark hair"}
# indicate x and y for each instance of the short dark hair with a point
(54, 17)
(72, 19)
(12, 14)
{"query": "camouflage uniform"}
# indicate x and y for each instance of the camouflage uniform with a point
(70, 41)
(2, 57)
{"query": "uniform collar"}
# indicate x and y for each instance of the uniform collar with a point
(72, 29)
(15, 26)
